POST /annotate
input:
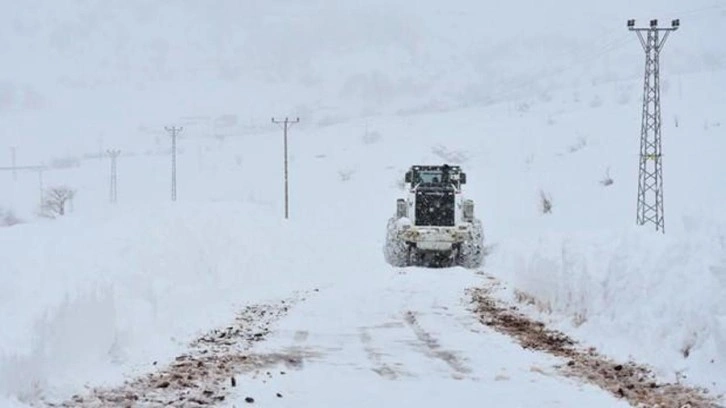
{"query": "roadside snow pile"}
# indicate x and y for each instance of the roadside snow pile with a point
(85, 300)
(658, 299)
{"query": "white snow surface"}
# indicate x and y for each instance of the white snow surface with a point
(95, 297)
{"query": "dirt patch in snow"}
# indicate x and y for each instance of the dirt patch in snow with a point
(633, 382)
(203, 376)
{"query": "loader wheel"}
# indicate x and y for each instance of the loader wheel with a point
(415, 257)
(471, 253)
(396, 251)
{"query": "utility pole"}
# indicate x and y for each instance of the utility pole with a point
(113, 193)
(100, 147)
(40, 185)
(286, 124)
(173, 131)
(13, 162)
(650, 178)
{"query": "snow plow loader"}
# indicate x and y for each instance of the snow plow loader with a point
(434, 226)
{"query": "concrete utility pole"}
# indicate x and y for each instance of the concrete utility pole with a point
(173, 131)
(100, 147)
(113, 191)
(40, 185)
(13, 162)
(286, 124)
(650, 179)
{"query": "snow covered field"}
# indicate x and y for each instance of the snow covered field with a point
(96, 296)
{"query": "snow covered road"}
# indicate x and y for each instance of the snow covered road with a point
(353, 330)
(409, 339)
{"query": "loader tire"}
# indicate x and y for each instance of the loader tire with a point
(471, 252)
(396, 251)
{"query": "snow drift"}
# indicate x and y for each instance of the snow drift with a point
(92, 299)
(633, 294)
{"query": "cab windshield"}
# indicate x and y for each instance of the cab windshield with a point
(429, 176)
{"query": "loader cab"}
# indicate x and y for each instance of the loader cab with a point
(435, 176)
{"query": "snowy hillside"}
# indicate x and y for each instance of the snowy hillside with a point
(101, 72)
(94, 297)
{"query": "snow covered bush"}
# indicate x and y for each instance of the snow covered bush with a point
(607, 180)
(579, 144)
(55, 201)
(545, 203)
(345, 174)
(8, 218)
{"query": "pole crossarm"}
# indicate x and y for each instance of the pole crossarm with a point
(649, 29)
(31, 168)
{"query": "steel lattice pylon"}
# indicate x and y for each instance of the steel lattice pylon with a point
(113, 185)
(650, 178)
(174, 132)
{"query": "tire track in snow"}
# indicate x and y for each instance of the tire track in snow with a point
(375, 357)
(432, 348)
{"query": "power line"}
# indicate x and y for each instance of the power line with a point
(701, 11)
(650, 177)
(286, 124)
(173, 131)
(578, 61)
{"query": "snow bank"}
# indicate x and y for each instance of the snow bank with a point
(85, 300)
(632, 293)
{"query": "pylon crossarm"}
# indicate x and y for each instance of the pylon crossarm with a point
(642, 40)
(663, 40)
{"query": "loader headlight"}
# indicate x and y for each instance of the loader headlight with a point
(401, 208)
(468, 211)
